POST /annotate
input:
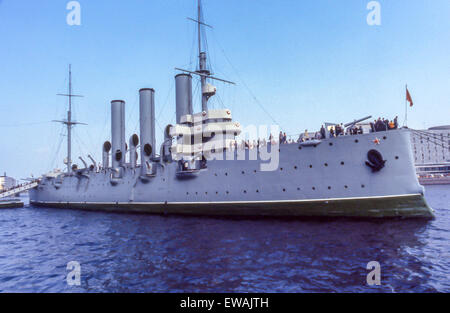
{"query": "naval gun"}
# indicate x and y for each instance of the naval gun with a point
(84, 162)
(93, 166)
(357, 121)
(82, 172)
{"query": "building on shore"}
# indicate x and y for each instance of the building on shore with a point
(6, 182)
(431, 150)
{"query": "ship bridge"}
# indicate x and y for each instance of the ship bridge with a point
(204, 133)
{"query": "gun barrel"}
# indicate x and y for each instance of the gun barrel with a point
(358, 121)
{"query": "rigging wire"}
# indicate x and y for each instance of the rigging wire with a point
(219, 99)
(23, 124)
(430, 134)
(61, 137)
(243, 82)
(442, 143)
(81, 145)
(192, 55)
(131, 112)
(167, 99)
(196, 92)
(107, 116)
(159, 126)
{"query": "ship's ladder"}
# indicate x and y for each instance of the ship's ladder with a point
(15, 190)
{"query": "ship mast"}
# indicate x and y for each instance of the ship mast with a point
(202, 70)
(69, 123)
(202, 59)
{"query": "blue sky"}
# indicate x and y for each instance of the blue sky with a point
(305, 61)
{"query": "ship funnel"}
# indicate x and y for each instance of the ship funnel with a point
(147, 123)
(134, 141)
(106, 149)
(118, 133)
(183, 84)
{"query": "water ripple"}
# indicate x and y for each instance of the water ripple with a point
(140, 253)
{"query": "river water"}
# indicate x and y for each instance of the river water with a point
(143, 253)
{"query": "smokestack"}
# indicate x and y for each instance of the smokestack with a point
(147, 123)
(118, 132)
(183, 84)
(134, 141)
(122, 132)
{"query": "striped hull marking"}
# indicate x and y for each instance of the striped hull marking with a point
(385, 206)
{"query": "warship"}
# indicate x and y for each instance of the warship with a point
(200, 169)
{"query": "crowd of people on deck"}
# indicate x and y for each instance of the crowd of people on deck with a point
(383, 124)
(380, 124)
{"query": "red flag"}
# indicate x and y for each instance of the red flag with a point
(408, 98)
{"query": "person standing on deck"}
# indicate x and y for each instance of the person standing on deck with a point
(322, 132)
(306, 136)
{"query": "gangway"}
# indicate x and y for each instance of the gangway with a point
(18, 189)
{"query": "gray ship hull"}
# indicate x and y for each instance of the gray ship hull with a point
(328, 179)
